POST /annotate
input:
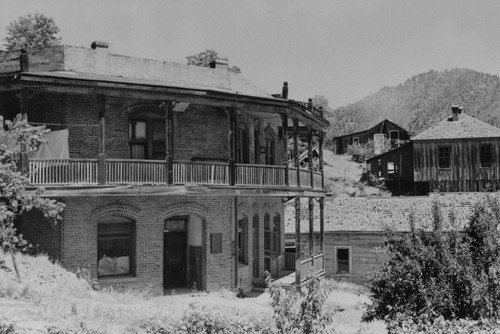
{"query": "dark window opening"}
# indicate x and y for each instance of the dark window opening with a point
(243, 241)
(394, 138)
(343, 261)
(242, 145)
(115, 247)
(355, 141)
(444, 159)
(486, 155)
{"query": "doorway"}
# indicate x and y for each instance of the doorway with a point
(174, 253)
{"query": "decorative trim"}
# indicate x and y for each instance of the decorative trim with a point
(117, 209)
(181, 209)
(243, 210)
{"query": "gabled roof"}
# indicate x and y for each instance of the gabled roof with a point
(372, 128)
(465, 127)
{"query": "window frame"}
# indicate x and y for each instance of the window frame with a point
(355, 141)
(336, 265)
(486, 161)
(131, 235)
(442, 156)
(150, 118)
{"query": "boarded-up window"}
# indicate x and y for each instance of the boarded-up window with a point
(444, 157)
(486, 156)
(215, 242)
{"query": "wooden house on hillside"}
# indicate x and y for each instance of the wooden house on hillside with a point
(458, 154)
(173, 175)
(390, 130)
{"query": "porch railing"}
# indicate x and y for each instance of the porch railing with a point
(63, 171)
(313, 264)
(260, 175)
(189, 172)
(135, 171)
(114, 171)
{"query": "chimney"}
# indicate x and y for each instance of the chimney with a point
(455, 110)
(284, 91)
(310, 104)
(99, 44)
(219, 63)
(23, 61)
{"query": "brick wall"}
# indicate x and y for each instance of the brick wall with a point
(37, 230)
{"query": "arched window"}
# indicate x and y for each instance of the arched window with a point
(115, 246)
(242, 144)
(277, 234)
(243, 240)
(147, 134)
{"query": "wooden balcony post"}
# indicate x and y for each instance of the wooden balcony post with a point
(169, 142)
(296, 148)
(321, 166)
(297, 242)
(101, 165)
(311, 226)
(287, 179)
(310, 155)
(232, 145)
(322, 224)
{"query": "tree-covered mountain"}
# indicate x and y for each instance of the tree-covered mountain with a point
(422, 101)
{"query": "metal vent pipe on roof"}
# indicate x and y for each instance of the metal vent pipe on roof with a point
(284, 91)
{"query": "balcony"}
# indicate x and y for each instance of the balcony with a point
(92, 172)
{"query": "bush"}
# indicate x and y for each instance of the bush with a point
(82, 329)
(6, 327)
(448, 274)
(361, 152)
(308, 318)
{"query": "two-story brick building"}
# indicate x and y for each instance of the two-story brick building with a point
(176, 174)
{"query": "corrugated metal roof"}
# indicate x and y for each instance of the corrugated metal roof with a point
(465, 127)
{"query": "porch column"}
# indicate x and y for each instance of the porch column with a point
(284, 125)
(320, 143)
(169, 141)
(24, 106)
(297, 242)
(296, 148)
(101, 166)
(322, 224)
(311, 226)
(232, 145)
(310, 155)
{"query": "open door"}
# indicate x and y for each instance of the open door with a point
(174, 253)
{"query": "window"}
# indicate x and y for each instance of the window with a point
(355, 141)
(115, 246)
(394, 138)
(243, 240)
(277, 234)
(147, 135)
(444, 157)
(343, 260)
(242, 144)
(256, 145)
(486, 155)
(267, 232)
(392, 168)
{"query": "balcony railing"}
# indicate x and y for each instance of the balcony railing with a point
(128, 171)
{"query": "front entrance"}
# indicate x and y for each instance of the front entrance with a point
(174, 257)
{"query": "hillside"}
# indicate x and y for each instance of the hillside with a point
(423, 100)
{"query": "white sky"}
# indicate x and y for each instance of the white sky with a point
(343, 49)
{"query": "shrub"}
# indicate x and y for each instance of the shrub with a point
(6, 327)
(361, 152)
(82, 329)
(448, 274)
(308, 318)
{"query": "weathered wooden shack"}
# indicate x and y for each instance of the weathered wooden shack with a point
(395, 167)
(395, 133)
(458, 154)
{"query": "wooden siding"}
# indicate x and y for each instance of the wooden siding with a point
(340, 143)
(465, 173)
(401, 181)
(362, 252)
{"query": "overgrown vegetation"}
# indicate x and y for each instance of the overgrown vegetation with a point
(442, 274)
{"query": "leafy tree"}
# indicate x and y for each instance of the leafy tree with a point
(32, 31)
(14, 199)
(204, 59)
(462, 266)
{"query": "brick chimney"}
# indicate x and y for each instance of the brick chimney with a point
(219, 63)
(455, 111)
(284, 90)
